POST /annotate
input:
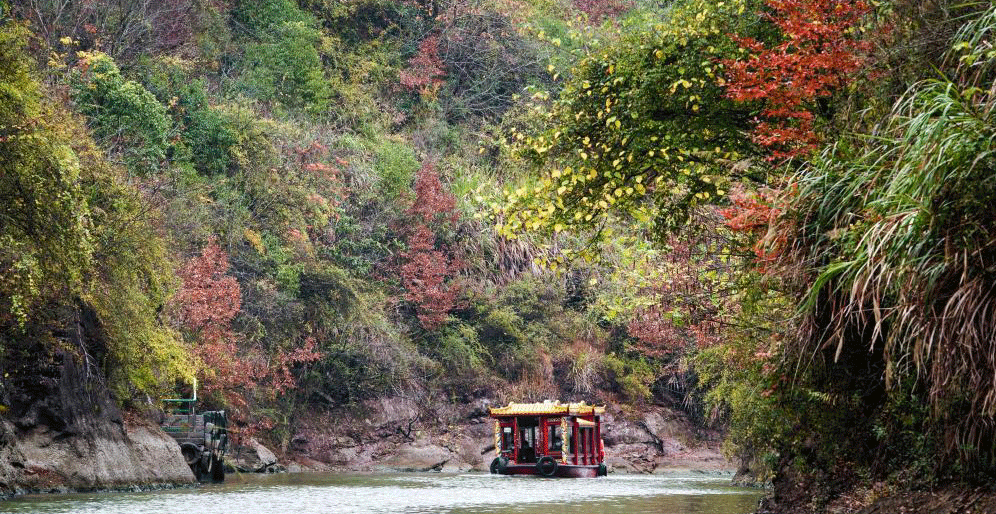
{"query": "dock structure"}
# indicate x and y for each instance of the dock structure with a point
(203, 438)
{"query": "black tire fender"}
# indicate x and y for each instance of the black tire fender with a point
(498, 466)
(191, 453)
(547, 466)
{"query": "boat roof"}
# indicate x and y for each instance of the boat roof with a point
(547, 408)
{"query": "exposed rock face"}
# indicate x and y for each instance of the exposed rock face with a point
(253, 457)
(42, 460)
(62, 431)
(659, 440)
(391, 434)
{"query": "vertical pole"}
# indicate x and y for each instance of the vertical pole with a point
(515, 439)
(574, 429)
(598, 438)
(592, 452)
(542, 445)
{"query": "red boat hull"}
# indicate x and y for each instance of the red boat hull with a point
(563, 470)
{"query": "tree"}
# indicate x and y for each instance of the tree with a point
(125, 117)
(208, 302)
(426, 72)
(642, 129)
(77, 237)
(429, 268)
(819, 49)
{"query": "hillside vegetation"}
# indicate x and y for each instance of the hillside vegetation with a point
(775, 215)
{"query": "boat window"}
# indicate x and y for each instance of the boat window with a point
(506, 439)
(556, 438)
(583, 436)
(527, 437)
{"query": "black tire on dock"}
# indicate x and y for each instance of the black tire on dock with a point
(547, 466)
(602, 471)
(191, 453)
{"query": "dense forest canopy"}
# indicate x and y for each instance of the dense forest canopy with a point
(772, 214)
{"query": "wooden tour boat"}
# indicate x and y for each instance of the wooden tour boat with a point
(550, 439)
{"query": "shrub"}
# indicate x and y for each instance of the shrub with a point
(125, 117)
(281, 58)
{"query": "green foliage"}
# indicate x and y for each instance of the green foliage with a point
(631, 377)
(642, 128)
(45, 236)
(395, 164)
(75, 232)
(364, 354)
(925, 184)
(136, 281)
(282, 60)
(206, 138)
(460, 350)
(125, 117)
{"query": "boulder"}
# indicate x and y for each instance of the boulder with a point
(253, 457)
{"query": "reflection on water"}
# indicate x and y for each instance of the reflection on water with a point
(416, 493)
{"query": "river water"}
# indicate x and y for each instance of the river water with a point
(416, 493)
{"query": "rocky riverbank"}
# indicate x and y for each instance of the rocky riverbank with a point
(119, 458)
(64, 432)
(61, 431)
(394, 434)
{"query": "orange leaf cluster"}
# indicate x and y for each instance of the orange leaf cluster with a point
(755, 213)
(819, 52)
(208, 301)
(426, 70)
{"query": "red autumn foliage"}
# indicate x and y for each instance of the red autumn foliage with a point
(820, 51)
(597, 10)
(207, 303)
(687, 308)
(754, 214)
(426, 70)
(209, 299)
(428, 268)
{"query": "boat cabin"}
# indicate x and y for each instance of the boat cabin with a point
(548, 439)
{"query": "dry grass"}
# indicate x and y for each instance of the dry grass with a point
(895, 238)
